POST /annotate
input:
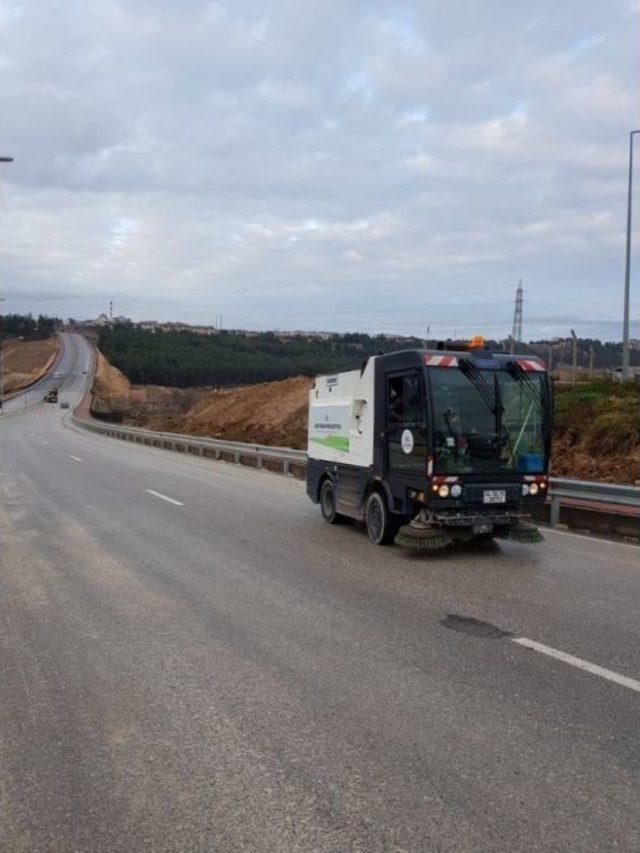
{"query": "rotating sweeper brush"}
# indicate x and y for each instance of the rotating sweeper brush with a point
(422, 539)
(522, 532)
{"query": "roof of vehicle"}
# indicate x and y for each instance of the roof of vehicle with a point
(481, 358)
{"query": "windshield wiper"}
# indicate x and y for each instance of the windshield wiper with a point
(488, 394)
(533, 389)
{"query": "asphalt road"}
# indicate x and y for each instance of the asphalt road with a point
(223, 671)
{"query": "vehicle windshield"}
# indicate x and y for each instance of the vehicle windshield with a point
(488, 421)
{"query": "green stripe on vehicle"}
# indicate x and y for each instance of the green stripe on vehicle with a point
(335, 442)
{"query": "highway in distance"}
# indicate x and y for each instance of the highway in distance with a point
(192, 660)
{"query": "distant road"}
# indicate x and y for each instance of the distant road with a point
(74, 357)
(192, 660)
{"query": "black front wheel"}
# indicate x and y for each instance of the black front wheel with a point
(382, 526)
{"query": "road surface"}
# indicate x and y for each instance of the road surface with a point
(192, 660)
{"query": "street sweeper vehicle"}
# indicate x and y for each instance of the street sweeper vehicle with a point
(431, 446)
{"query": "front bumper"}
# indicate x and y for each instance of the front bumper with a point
(472, 517)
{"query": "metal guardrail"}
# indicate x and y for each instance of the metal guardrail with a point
(560, 490)
(590, 492)
(212, 447)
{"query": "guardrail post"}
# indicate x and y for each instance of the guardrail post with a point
(285, 467)
(258, 459)
(217, 454)
(554, 518)
(236, 458)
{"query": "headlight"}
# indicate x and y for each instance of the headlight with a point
(443, 491)
(456, 491)
(533, 489)
(525, 490)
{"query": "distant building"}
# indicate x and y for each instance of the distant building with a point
(105, 320)
(298, 333)
(156, 326)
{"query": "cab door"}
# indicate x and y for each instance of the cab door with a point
(406, 427)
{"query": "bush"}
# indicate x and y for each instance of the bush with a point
(615, 428)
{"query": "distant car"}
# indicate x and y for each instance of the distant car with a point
(64, 405)
(57, 374)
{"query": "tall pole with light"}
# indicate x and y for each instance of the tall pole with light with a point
(3, 159)
(627, 268)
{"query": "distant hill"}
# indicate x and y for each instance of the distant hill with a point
(186, 359)
(183, 358)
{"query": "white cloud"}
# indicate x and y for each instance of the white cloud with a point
(423, 164)
(187, 158)
(284, 93)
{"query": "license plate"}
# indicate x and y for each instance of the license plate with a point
(494, 496)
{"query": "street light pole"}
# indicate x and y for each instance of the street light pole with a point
(3, 159)
(627, 268)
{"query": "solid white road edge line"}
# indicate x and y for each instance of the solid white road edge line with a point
(593, 668)
(588, 538)
(77, 458)
(164, 497)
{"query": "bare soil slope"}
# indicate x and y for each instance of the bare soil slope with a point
(26, 361)
(111, 391)
(273, 413)
(575, 462)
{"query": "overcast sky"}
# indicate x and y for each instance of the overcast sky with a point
(320, 165)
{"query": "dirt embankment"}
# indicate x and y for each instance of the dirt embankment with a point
(575, 462)
(111, 390)
(26, 361)
(273, 413)
(597, 432)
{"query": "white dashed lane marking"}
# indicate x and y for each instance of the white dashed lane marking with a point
(164, 497)
(580, 663)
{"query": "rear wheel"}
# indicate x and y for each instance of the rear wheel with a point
(382, 526)
(328, 503)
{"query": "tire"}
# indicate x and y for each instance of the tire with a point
(382, 526)
(328, 503)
